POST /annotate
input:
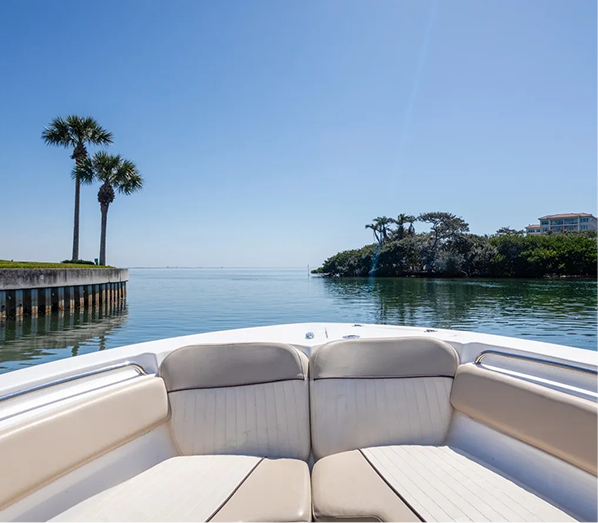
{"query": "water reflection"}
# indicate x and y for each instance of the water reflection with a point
(536, 308)
(29, 341)
(163, 303)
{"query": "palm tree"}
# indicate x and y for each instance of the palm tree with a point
(114, 172)
(76, 132)
(381, 228)
(401, 231)
(410, 219)
(400, 221)
(374, 227)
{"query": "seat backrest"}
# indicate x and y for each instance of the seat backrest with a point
(558, 423)
(41, 445)
(386, 391)
(240, 398)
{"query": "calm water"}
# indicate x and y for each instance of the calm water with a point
(173, 302)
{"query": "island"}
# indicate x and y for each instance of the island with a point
(448, 249)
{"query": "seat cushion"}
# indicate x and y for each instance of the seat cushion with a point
(419, 483)
(231, 365)
(346, 487)
(406, 357)
(246, 399)
(277, 490)
(530, 412)
(267, 419)
(45, 444)
(198, 488)
(349, 414)
(443, 484)
(372, 392)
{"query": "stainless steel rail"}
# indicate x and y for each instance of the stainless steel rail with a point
(541, 361)
(141, 371)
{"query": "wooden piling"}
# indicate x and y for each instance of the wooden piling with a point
(34, 302)
(3, 309)
(60, 298)
(48, 301)
(81, 296)
(19, 303)
(71, 297)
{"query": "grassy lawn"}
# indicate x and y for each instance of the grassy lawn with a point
(7, 264)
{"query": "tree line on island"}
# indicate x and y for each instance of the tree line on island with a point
(113, 171)
(449, 249)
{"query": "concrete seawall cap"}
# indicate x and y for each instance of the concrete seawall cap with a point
(19, 279)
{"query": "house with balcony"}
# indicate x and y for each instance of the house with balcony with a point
(574, 221)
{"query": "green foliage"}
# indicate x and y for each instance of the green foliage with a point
(564, 254)
(357, 262)
(381, 227)
(79, 262)
(76, 130)
(450, 250)
(112, 170)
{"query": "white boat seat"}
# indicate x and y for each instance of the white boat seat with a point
(420, 483)
(248, 399)
(205, 488)
(390, 391)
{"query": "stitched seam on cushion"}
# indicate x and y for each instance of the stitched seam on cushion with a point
(242, 385)
(383, 377)
(393, 489)
(295, 351)
(344, 518)
(298, 358)
(447, 345)
(221, 506)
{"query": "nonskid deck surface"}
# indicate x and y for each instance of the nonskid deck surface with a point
(295, 422)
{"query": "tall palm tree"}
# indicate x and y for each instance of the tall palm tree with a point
(115, 173)
(375, 230)
(380, 228)
(410, 219)
(76, 132)
(400, 222)
(401, 230)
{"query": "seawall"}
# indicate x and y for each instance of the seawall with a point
(41, 291)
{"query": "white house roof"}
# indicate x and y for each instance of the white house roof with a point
(566, 215)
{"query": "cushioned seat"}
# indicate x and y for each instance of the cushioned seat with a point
(248, 399)
(391, 391)
(346, 487)
(205, 488)
(427, 483)
(240, 420)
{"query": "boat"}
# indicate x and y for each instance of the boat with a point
(301, 422)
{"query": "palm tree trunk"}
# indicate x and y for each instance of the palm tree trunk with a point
(76, 221)
(104, 209)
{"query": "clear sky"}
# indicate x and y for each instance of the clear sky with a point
(270, 132)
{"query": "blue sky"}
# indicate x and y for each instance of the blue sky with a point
(269, 133)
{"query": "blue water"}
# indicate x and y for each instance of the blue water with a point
(172, 302)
